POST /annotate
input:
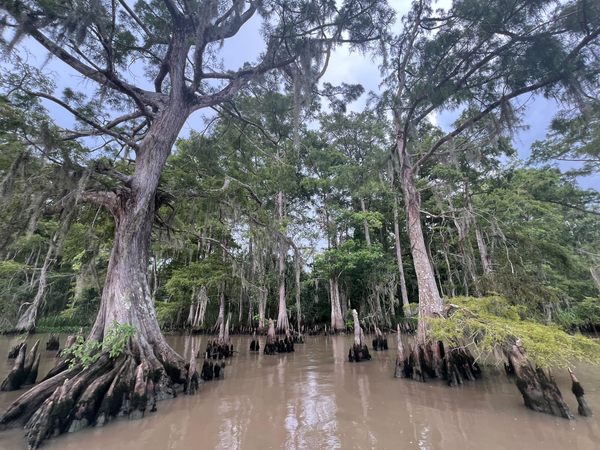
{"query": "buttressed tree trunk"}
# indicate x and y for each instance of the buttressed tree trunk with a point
(126, 299)
(430, 302)
(337, 321)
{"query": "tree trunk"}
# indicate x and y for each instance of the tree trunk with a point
(192, 314)
(241, 308)
(539, 390)
(298, 289)
(283, 324)
(221, 319)
(403, 369)
(270, 344)
(337, 321)
(344, 304)
(126, 297)
(359, 350)
(430, 302)
(366, 224)
(27, 321)
(596, 276)
(262, 305)
(201, 309)
(485, 259)
(403, 290)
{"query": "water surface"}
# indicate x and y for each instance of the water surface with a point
(315, 399)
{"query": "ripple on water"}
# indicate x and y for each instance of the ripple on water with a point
(315, 399)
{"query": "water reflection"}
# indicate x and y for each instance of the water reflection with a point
(315, 399)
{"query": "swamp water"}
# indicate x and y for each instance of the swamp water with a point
(315, 399)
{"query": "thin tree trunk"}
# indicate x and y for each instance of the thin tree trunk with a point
(192, 314)
(596, 276)
(462, 233)
(403, 290)
(28, 319)
(485, 259)
(241, 310)
(367, 234)
(298, 289)
(221, 319)
(201, 309)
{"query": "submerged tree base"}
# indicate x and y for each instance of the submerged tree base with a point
(214, 350)
(74, 397)
(25, 369)
(539, 390)
(380, 342)
(358, 351)
(451, 363)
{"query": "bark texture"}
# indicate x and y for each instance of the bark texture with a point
(337, 321)
(430, 302)
(359, 350)
(403, 291)
(539, 390)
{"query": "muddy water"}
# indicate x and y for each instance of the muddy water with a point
(315, 399)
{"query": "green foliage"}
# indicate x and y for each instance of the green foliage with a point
(349, 324)
(115, 344)
(166, 313)
(492, 322)
(62, 323)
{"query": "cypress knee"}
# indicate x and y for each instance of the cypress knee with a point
(583, 408)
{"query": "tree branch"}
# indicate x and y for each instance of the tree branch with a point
(104, 198)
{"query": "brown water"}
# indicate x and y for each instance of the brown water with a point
(315, 399)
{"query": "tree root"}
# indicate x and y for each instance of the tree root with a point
(380, 342)
(14, 350)
(451, 363)
(583, 409)
(212, 371)
(17, 376)
(539, 390)
(24, 370)
(218, 351)
(53, 343)
(76, 398)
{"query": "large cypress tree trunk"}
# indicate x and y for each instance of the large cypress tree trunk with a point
(116, 383)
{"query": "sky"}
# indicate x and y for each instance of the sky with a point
(344, 66)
